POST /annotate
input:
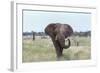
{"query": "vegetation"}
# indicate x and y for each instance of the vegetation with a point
(43, 49)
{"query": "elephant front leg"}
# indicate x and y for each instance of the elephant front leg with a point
(58, 49)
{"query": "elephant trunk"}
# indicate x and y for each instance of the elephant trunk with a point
(61, 42)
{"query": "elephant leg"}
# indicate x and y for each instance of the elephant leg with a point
(57, 48)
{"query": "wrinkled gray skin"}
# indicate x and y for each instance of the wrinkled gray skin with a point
(58, 32)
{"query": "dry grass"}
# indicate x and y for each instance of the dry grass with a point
(43, 50)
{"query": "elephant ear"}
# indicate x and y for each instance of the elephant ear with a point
(50, 29)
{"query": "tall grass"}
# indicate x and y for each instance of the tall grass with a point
(43, 50)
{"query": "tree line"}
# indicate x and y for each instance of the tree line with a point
(86, 33)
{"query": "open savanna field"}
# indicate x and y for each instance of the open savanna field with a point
(43, 49)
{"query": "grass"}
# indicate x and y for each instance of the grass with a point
(43, 50)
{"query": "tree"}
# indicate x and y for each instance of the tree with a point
(33, 34)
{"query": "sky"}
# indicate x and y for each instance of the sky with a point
(38, 20)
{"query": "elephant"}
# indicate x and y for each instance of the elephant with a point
(58, 33)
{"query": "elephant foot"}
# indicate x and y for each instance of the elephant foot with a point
(60, 58)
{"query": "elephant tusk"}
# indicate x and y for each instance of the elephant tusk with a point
(69, 43)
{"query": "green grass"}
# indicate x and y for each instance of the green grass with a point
(43, 50)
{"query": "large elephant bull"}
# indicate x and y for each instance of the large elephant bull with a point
(58, 32)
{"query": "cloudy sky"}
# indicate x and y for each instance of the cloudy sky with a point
(38, 20)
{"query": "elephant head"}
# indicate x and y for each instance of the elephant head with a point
(58, 33)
